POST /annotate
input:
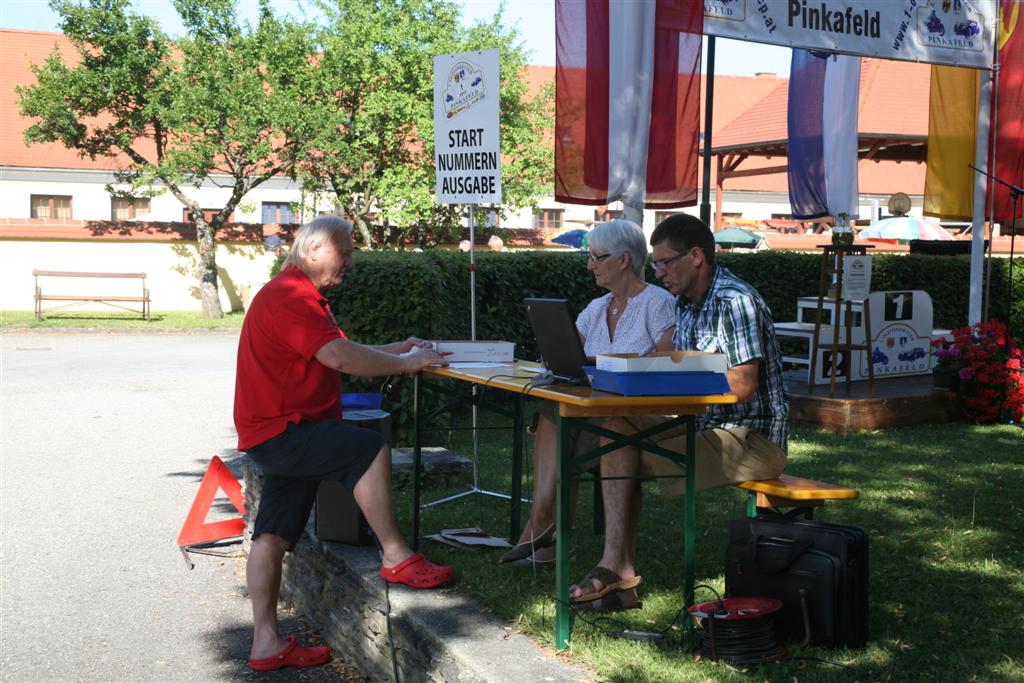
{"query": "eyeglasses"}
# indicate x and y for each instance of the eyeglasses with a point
(660, 265)
(597, 258)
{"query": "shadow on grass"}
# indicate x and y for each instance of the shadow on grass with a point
(98, 316)
(941, 505)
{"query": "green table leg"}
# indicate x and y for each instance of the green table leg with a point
(690, 510)
(563, 624)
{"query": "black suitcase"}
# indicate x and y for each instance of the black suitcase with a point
(810, 566)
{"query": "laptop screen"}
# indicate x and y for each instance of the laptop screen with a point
(557, 338)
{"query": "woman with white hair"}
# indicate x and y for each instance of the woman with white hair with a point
(633, 317)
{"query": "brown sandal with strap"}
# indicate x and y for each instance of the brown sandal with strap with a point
(612, 582)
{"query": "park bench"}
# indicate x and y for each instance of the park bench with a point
(116, 301)
(803, 495)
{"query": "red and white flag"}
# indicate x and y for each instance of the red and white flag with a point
(627, 101)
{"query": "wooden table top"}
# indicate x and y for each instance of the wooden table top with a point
(578, 400)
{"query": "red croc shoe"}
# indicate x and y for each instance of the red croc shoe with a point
(293, 655)
(417, 572)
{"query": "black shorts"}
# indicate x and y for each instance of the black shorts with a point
(297, 460)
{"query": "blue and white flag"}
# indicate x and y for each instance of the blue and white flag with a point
(823, 93)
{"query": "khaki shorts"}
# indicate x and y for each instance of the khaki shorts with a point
(723, 456)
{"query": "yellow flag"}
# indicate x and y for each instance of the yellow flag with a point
(952, 124)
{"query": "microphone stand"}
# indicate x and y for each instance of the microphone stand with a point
(1015, 192)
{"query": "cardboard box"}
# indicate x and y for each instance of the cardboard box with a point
(477, 351)
(672, 361)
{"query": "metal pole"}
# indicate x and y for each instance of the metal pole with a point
(980, 185)
(472, 336)
(472, 274)
(995, 142)
(709, 107)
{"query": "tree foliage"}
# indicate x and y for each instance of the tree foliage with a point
(372, 115)
(347, 103)
(217, 107)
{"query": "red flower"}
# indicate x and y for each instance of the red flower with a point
(990, 368)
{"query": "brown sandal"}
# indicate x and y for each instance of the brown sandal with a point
(613, 583)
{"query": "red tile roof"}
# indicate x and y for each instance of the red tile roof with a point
(18, 50)
(894, 99)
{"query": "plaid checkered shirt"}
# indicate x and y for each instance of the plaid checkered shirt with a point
(733, 319)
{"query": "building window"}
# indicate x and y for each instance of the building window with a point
(606, 215)
(208, 215)
(50, 206)
(278, 212)
(782, 216)
(126, 208)
(547, 218)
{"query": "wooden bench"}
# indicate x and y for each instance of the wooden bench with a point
(793, 492)
(78, 299)
(802, 495)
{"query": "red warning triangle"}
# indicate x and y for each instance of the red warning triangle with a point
(195, 530)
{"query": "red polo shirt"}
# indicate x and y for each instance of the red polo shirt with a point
(278, 378)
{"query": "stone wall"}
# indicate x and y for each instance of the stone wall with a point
(440, 636)
(333, 587)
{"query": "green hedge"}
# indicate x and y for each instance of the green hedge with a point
(391, 295)
(427, 293)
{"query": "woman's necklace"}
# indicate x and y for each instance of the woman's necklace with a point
(616, 308)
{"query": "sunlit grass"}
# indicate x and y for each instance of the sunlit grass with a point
(941, 504)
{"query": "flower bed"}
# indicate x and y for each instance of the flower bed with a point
(988, 364)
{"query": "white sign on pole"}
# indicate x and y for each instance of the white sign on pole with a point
(956, 32)
(467, 155)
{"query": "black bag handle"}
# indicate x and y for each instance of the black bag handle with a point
(776, 565)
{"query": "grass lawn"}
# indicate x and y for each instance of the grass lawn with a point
(14, 321)
(943, 508)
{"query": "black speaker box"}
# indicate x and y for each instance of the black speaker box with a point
(338, 518)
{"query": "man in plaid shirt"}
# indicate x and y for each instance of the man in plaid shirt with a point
(720, 313)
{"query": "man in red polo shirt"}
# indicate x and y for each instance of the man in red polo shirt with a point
(291, 356)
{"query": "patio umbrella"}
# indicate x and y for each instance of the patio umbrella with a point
(737, 237)
(571, 238)
(905, 228)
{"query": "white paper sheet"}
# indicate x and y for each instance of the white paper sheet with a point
(469, 365)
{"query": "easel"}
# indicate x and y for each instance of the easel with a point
(831, 275)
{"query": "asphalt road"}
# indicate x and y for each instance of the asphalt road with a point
(103, 442)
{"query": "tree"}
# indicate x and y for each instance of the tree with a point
(371, 115)
(219, 106)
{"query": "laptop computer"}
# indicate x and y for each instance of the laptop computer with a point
(557, 339)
